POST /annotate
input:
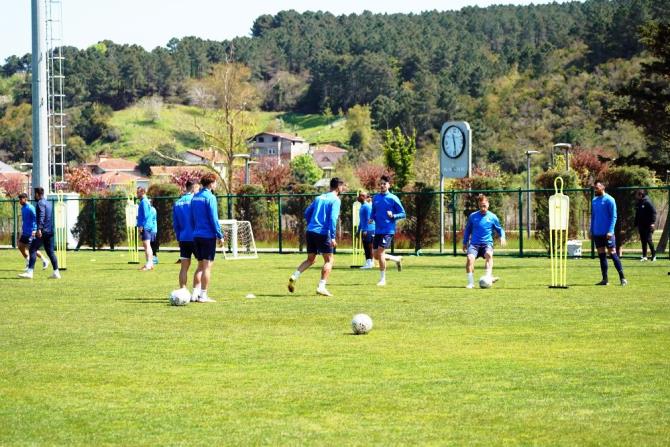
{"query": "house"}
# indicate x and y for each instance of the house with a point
(326, 156)
(118, 173)
(282, 146)
(213, 158)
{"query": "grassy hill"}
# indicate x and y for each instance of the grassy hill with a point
(177, 126)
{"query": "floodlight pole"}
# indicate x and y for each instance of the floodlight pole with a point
(247, 162)
(528, 155)
(39, 100)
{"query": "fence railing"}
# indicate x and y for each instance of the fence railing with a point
(278, 224)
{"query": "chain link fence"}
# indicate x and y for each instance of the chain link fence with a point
(278, 224)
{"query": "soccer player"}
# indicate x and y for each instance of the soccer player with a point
(28, 228)
(206, 232)
(366, 228)
(43, 235)
(143, 216)
(321, 216)
(603, 219)
(181, 223)
(155, 243)
(645, 220)
(386, 210)
(478, 239)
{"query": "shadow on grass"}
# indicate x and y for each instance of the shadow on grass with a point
(143, 301)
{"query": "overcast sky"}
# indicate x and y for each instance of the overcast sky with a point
(153, 23)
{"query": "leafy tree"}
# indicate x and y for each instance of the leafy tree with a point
(624, 176)
(369, 175)
(359, 127)
(296, 206)
(273, 176)
(92, 121)
(423, 222)
(252, 209)
(111, 218)
(648, 95)
(80, 180)
(165, 155)
(399, 150)
(185, 175)
(16, 133)
(305, 170)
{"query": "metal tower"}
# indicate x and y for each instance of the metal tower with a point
(55, 91)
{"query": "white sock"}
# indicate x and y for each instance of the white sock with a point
(489, 273)
(471, 278)
(203, 294)
(322, 284)
(383, 275)
(29, 271)
(393, 258)
(368, 262)
(296, 275)
(196, 293)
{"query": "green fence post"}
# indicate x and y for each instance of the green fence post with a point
(279, 222)
(15, 222)
(520, 226)
(453, 221)
(230, 206)
(593, 244)
(95, 227)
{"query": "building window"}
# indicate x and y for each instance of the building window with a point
(271, 151)
(275, 139)
(261, 140)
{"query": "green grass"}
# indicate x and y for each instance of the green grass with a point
(177, 126)
(99, 358)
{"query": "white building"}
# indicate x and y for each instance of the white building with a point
(281, 146)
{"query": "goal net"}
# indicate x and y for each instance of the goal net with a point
(238, 239)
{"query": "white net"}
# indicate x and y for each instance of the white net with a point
(238, 240)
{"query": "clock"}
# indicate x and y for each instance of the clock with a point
(453, 142)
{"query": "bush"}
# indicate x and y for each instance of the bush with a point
(541, 203)
(296, 206)
(422, 225)
(162, 198)
(625, 198)
(253, 209)
(481, 183)
(109, 225)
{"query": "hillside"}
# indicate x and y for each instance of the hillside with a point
(177, 126)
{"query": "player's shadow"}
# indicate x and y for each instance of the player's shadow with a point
(143, 300)
(275, 295)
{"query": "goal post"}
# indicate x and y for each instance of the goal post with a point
(238, 239)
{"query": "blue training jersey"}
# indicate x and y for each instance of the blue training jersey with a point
(205, 216)
(44, 215)
(322, 214)
(28, 220)
(152, 221)
(364, 217)
(181, 218)
(381, 203)
(143, 211)
(479, 228)
(603, 215)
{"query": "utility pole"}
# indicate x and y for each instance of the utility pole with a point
(39, 100)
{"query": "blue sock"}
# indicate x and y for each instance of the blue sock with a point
(603, 264)
(617, 264)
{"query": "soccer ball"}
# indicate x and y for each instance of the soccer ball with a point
(485, 282)
(361, 324)
(180, 297)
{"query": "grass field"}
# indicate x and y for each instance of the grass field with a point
(99, 358)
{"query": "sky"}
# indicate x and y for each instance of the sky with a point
(153, 23)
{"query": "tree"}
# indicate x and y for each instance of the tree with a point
(305, 170)
(399, 152)
(370, 173)
(296, 206)
(648, 95)
(185, 175)
(163, 196)
(165, 155)
(16, 133)
(273, 176)
(359, 126)
(423, 222)
(234, 96)
(80, 180)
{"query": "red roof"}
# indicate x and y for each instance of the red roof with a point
(329, 148)
(114, 164)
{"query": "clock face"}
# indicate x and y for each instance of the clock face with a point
(453, 142)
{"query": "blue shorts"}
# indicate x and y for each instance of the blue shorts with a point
(318, 243)
(382, 240)
(479, 250)
(26, 239)
(186, 249)
(368, 238)
(148, 235)
(204, 248)
(602, 241)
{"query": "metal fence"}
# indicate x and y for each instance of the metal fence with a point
(278, 224)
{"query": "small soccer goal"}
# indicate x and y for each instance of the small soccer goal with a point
(238, 239)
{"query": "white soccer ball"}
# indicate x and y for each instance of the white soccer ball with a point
(485, 282)
(361, 324)
(180, 297)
